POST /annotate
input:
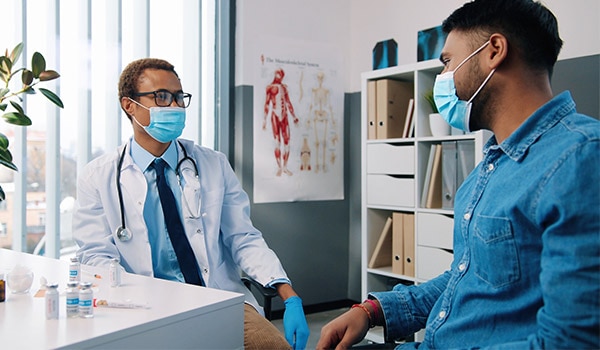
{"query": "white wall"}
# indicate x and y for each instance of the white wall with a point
(354, 26)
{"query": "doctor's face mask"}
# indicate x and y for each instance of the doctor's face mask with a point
(166, 123)
(456, 112)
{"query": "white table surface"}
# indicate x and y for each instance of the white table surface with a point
(179, 315)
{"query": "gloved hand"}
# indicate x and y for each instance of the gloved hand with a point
(294, 323)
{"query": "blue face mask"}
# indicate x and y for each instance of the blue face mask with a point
(166, 123)
(456, 112)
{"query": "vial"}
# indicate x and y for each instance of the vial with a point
(72, 295)
(2, 288)
(114, 273)
(86, 297)
(74, 270)
(51, 301)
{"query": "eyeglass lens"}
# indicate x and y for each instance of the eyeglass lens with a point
(165, 98)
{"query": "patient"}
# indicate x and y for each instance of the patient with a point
(526, 269)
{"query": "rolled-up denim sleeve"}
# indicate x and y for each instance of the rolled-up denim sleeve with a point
(406, 308)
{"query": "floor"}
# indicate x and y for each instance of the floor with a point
(315, 322)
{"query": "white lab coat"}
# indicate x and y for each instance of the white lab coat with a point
(222, 237)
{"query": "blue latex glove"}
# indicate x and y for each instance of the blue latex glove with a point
(294, 323)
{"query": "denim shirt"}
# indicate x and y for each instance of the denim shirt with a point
(526, 269)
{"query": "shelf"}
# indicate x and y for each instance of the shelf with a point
(387, 271)
(393, 174)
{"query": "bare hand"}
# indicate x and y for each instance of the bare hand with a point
(345, 330)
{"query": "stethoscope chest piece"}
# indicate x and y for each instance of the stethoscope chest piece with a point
(123, 234)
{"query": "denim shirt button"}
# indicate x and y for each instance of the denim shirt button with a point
(467, 216)
(442, 314)
(490, 167)
(461, 267)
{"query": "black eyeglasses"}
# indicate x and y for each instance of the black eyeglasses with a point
(164, 98)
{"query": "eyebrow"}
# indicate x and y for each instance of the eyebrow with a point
(441, 58)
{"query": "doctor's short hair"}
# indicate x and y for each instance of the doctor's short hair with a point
(131, 75)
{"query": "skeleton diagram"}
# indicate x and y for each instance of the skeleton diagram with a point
(322, 112)
(278, 103)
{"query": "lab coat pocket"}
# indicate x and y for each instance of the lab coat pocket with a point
(192, 201)
(495, 257)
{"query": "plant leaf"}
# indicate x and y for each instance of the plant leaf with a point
(6, 65)
(2, 195)
(48, 75)
(16, 52)
(5, 155)
(9, 165)
(38, 64)
(16, 119)
(3, 92)
(3, 66)
(3, 106)
(17, 107)
(52, 97)
(27, 77)
(3, 141)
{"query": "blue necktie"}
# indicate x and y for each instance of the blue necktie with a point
(183, 250)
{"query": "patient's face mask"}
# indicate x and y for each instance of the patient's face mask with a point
(456, 112)
(166, 123)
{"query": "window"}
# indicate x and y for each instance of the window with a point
(88, 43)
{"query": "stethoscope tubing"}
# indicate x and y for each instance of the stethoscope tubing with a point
(123, 233)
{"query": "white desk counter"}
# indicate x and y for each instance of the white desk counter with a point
(179, 315)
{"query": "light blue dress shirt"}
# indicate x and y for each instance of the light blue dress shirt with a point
(526, 269)
(164, 259)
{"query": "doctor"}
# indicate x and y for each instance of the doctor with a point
(119, 214)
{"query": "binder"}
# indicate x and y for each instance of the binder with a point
(465, 157)
(372, 109)
(449, 173)
(427, 180)
(408, 232)
(397, 243)
(434, 191)
(393, 97)
(382, 255)
(409, 118)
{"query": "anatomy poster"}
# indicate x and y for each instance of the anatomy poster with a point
(298, 124)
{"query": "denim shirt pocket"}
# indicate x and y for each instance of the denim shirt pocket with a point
(495, 255)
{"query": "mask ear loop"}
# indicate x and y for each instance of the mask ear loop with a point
(133, 116)
(482, 85)
(468, 57)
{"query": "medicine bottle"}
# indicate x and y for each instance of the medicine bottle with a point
(2, 288)
(74, 270)
(86, 297)
(114, 272)
(72, 296)
(51, 301)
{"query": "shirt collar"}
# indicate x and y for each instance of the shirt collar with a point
(143, 158)
(517, 144)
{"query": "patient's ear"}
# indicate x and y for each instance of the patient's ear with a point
(498, 50)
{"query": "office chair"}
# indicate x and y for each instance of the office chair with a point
(267, 294)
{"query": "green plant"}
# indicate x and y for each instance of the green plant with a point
(428, 96)
(29, 78)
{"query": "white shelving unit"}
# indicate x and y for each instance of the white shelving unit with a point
(433, 227)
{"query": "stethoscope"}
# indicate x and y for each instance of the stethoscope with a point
(123, 234)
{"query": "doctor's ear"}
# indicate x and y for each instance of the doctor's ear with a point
(127, 105)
